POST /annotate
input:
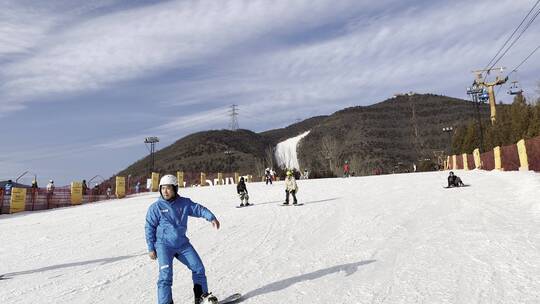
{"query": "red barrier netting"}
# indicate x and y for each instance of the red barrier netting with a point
(533, 153)
(510, 158)
(470, 161)
(488, 160)
(459, 161)
(2, 202)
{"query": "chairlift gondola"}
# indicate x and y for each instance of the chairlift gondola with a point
(515, 88)
(483, 96)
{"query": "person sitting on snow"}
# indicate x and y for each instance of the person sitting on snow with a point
(242, 192)
(454, 180)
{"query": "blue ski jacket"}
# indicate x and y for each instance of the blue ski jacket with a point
(166, 222)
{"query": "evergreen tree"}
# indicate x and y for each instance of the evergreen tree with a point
(520, 115)
(533, 129)
(471, 139)
(502, 128)
(457, 140)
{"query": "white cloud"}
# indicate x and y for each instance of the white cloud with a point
(98, 52)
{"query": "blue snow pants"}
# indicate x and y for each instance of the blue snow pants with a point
(189, 257)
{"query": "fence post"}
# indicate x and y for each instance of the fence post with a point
(220, 178)
(76, 193)
(465, 161)
(155, 182)
(523, 159)
(497, 156)
(454, 162)
(18, 200)
(120, 187)
(477, 160)
(203, 179)
(180, 178)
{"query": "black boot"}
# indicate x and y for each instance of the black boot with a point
(197, 291)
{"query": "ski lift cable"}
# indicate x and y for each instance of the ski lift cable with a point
(513, 33)
(516, 39)
(522, 62)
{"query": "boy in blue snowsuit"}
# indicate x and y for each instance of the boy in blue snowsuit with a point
(165, 229)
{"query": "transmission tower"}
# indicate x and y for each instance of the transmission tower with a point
(233, 113)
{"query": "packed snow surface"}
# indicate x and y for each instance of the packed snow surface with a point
(383, 239)
(286, 152)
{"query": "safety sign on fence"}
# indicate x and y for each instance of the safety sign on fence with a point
(155, 182)
(18, 200)
(120, 187)
(76, 193)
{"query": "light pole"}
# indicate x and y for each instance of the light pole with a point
(152, 140)
(449, 130)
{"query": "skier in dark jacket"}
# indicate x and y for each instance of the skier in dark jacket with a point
(242, 192)
(268, 176)
(165, 230)
(454, 180)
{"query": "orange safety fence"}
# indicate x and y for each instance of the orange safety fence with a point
(470, 161)
(459, 161)
(488, 161)
(533, 153)
(510, 158)
(40, 199)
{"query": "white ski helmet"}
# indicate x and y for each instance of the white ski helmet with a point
(168, 179)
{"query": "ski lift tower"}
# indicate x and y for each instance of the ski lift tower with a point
(481, 82)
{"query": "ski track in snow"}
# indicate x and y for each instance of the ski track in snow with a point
(382, 239)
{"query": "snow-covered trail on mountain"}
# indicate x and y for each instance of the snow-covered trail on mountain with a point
(286, 154)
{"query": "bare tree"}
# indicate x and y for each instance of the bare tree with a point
(330, 151)
(259, 167)
(357, 164)
(269, 156)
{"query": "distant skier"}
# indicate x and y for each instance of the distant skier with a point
(7, 187)
(346, 169)
(165, 230)
(272, 174)
(138, 187)
(242, 192)
(290, 188)
(50, 192)
(109, 192)
(268, 176)
(454, 180)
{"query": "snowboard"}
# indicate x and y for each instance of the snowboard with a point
(244, 206)
(285, 205)
(456, 187)
(231, 299)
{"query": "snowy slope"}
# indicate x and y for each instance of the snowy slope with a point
(286, 152)
(382, 239)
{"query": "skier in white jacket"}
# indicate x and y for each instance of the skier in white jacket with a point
(290, 187)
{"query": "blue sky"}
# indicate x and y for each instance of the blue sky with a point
(83, 82)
